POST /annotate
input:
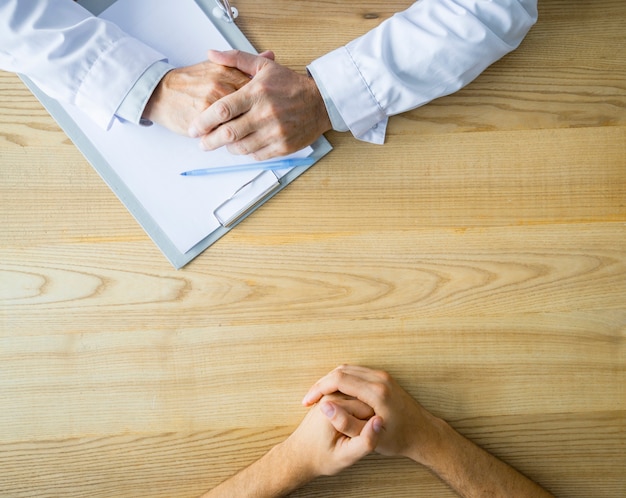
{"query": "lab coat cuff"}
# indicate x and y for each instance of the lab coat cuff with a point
(118, 68)
(132, 107)
(346, 88)
(336, 120)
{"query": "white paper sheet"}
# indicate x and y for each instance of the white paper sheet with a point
(149, 160)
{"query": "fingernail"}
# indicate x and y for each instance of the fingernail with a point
(327, 409)
(377, 425)
(202, 146)
(193, 132)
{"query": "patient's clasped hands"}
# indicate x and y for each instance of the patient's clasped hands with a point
(360, 410)
(356, 411)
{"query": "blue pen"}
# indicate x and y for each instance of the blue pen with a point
(278, 164)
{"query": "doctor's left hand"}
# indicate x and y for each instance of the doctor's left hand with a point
(278, 112)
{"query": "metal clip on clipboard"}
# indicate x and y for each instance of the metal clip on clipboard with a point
(247, 198)
(225, 11)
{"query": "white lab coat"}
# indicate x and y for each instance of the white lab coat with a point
(71, 55)
(432, 49)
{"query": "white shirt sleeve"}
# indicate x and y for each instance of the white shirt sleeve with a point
(432, 49)
(71, 55)
(132, 107)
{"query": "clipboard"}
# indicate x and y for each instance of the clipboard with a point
(232, 209)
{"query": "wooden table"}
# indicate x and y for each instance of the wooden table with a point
(479, 256)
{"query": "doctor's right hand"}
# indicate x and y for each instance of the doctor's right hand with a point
(185, 92)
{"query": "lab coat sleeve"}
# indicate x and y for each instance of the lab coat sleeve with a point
(71, 55)
(432, 49)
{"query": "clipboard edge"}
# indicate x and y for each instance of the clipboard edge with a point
(321, 147)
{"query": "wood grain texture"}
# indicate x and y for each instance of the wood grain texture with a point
(479, 256)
